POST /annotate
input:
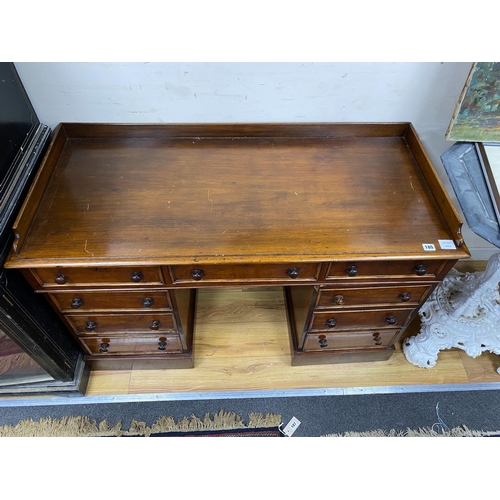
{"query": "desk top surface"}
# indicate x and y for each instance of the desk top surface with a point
(214, 198)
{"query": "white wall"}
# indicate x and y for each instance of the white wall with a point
(422, 93)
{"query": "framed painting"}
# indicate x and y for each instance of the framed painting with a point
(477, 115)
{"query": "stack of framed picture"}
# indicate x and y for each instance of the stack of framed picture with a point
(475, 175)
(489, 156)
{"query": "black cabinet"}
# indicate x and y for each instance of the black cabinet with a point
(37, 353)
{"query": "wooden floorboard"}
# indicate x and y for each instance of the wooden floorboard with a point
(241, 344)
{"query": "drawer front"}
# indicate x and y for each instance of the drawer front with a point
(104, 301)
(93, 324)
(347, 320)
(404, 269)
(241, 273)
(352, 297)
(131, 344)
(327, 341)
(62, 277)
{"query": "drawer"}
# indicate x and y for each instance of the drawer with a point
(241, 273)
(352, 319)
(104, 301)
(372, 296)
(132, 344)
(62, 277)
(403, 269)
(92, 324)
(345, 340)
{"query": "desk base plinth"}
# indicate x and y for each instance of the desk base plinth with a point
(300, 358)
(141, 363)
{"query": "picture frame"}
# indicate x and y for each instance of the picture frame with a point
(489, 155)
(477, 114)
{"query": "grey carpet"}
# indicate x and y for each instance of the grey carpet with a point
(319, 415)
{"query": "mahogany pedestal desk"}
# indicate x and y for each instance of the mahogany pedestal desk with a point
(124, 223)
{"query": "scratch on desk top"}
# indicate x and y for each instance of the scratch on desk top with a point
(85, 248)
(211, 201)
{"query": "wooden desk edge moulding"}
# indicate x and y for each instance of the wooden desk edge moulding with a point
(124, 222)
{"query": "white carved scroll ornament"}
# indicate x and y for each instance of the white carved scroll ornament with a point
(464, 312)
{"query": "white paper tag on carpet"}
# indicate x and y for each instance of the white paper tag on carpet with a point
(291, 427)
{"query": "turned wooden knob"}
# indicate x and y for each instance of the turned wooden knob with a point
(197, 274)
(405, 296)
(331, 322)
(339, 300)
(90, 326)
(162, 345)
(377, 338)
(104, 347)
(293, 272)
(322, 341)
(76, 303)
(60, 279)
(136, 276)
(391, 320)
(147, 301)
(155, 325)
(420, 270)
(352, 271)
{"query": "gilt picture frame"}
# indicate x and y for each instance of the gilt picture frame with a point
(477, 114)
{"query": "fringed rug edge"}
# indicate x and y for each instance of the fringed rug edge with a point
(81, 426)
(463, 431)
